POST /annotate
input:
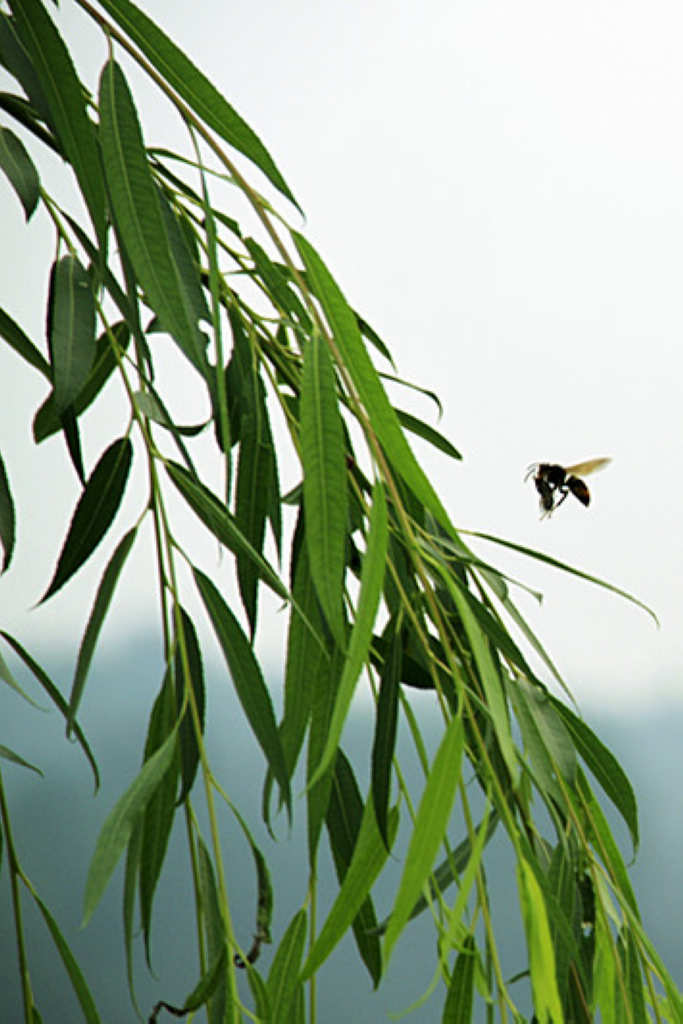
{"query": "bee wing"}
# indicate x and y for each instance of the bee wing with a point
(584, 468)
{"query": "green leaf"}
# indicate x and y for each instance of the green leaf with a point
(604, 767)
(130, 882)
(254, 479)
(429, 828)
(6, 518)
(208, 983)
(247, 679)
(427, 433)
(195, 88)
(373, 397)
(283, 977)
(52, 692)
(187, 739)
(214, 927)
(604, 843)
(19, 168)
(22, 111)
(65, 98)
(368, 859)
(547, 1003)
(222, 525)
(386, 724)
(323, 452)
(343, 820)
(16, 339)
(158, 815)
(171, 287)
(546, 739)
(460, 999)
(46, 421)
(372, 577)
(78, 981)
(121, 821)
(105, 592)
(71, 330)
(11, 755)
(94, 513)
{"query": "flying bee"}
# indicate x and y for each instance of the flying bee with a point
(554, 482)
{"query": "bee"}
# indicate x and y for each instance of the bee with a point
(554, 482)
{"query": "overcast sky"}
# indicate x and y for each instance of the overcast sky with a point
(497, 188)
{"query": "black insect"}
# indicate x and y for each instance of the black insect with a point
(554, 482)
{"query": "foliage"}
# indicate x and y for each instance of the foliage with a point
(374, 576)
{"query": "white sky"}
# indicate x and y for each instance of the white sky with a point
(497, 188)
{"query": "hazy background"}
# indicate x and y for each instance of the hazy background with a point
(496, 187)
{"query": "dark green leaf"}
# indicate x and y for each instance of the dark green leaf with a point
(219, 521)
(254, 480)
(386, 724)
(19, 168)
(324, 692)
(16, 339)
(10, 755)
(19, 63)
(78, 981)
(71, 330)
(458, 1006)
(65, 98)
(195, 88)
(283, 977)
(214, 927)
(281, 295)
(24, 113)
(100, 607)
(171, 287)
(121, 821)
(427, 433)
(54, 695)
(150, 406)
(94, 513)
(189, 747)
(157, 819)
(130, 884)
(604, 767)
(208, 983)
(6, 518)
(325, 480)
(343, 820)
(247, 679)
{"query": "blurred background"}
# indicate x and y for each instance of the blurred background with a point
(497, 189)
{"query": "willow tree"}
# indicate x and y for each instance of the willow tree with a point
(376, 581)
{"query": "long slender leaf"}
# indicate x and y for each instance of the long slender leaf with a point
(187, 738)
(325, 480)
(195, 88)
(429, 828)
(66, 101)
(283, 977)
(427, 433)
(7, 518)
(386, 724)
(11, 755)
(208, 983)
(214, 927)
(372, 577)
(247, 679)
(78, 982)
(458, 1006)
(20, 169)
(121, 821)
(16, 339)
(94, 512)
(54, 695)
(105, 592)
(172, 288)
(254, 478)
(547, 1003)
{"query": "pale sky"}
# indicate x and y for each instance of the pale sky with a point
(498, 189)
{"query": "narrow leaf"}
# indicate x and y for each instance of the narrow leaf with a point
(19, 168)
(78, 982)
(172, 291)
(283, 977)
(427, 433)
(187, 739)
(369, 857)
(547, 1003)
(386, 724)
(194, 88)
(214, 927)
(247, 679)
(429, 828)
(94, 513)
(65, 97)
(16, 339)
(459, 1001)
(208, 983)
(6, 518)
(121, 821)
(105, 592)
(71, 330)
(11, 755)
(325, 479)
(254, 478)
(372, 577)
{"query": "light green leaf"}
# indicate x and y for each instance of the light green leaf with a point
(547, 1002)
(283, 977)
(105, 592)
(19, 168)
(71, 319)
(368, 860)
(121, 821)
(429, 828)
(325, 480)
(247, 679)
(372, 578)
(94, 513)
